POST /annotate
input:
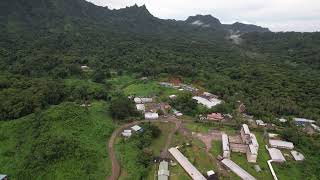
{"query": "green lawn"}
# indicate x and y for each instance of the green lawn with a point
(64, 142)
(216, 148)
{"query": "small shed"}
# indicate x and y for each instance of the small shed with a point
(136, 128)
(260, 123)
(140, 107)
(297, 156)
(126, 133)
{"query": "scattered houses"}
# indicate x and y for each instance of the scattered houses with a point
(150, 115)
(276, 155)
(225, 146)
(281, 144)
(297, 156)
(186, 165)
(237, 169)
(163, 172)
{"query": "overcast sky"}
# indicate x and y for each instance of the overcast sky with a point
(277, 15)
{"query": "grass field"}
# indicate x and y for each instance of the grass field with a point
(64, 142)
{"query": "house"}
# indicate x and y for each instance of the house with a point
(276, 155)
(303, 121)
(225, 146)
(245, 133)
(173, 96)
(138, 100)
(281, 144)
(136, 128)
(165, 84)
(3, 177)
(208, 103)
(283, 120)
(237, 169)
(260, 123)
(150, 115)
(126, 133)
(186, 165)
(272, 135)
(163, 172)
(215, 116)
(140, 107)
(254, 140)
(85, 67)
(177, 113)
(297, 156)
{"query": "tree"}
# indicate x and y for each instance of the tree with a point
(121, 107)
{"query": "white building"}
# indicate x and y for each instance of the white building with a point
(260, 123)
(173, 96)
(303, 120)
(186, 165)
(163, 173)
(283, 120)
(210, 173)
(225, 146)
(138, 100)
(150, 115)
(276, 155)
(237, 169)
(297, 156)
(136, 128)
(126, 133)
(281, 144)
(140, 107)
(208, 103)
(315, 127)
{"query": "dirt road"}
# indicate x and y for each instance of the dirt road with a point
(116, 169)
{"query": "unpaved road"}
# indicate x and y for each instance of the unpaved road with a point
(116, 169)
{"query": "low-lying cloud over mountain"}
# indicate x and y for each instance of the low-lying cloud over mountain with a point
(278, 15)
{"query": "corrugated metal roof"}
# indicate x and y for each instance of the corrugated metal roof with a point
(276, 155)
(237, 170)
(281, 144)
(246, 129)
(297, 156)
(187, 166)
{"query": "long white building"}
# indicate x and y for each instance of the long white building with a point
(237, 169)
(186, 165)
(225, 146)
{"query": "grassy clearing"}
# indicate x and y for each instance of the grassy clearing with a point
(149, 88)
(64, 142)
(158, 144)
(120, 82)
(216, 148)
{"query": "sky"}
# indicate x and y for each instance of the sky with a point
(277, 15)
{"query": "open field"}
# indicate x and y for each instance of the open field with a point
(64, 142)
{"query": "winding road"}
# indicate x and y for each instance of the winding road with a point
(116, 168)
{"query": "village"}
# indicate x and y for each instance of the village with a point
(266, 151)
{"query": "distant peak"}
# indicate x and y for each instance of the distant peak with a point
(203, 21)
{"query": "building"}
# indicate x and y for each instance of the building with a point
(138, 100)
(297, 156)
(225, 146)
(126, 133)
(150, 115)
(252, 153)
(283, 120)
(281, 144)
(136, 128)
(215, 117)
(303, 121)
(186, 165)
(3, 177)
(260, 123)
(254, 140)
(245, 133)
(315, 127)
(211, 175)
(173, 96)
(140, 107)
(276, 155)
(237, 169)
(163, 172)
(208, 103)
